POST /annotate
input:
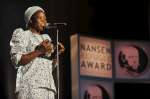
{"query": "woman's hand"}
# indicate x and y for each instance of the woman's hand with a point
(48, 46)
(45, 47)
(61, 48)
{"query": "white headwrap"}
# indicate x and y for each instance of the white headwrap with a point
(29, 12)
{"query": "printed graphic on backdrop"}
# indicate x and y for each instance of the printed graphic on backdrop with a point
(132, 59)
(95, 57)
(96, 89)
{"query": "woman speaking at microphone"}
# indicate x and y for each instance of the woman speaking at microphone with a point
(30, 52)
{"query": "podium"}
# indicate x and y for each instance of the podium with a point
(91, 62)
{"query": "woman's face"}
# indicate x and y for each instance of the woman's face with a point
(39, 21)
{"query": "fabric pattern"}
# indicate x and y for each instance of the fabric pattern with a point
(36, 74)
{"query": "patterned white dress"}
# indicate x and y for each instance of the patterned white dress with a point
(34, 80)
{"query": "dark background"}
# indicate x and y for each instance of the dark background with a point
(112, 19)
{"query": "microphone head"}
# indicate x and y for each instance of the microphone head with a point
(54, 25)
(47, 25)
(50, 26)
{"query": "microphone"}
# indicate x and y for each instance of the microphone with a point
(54, 25)
(49, 26)
(60, 23)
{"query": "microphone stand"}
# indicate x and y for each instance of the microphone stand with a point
(57, 59)
(57, 51)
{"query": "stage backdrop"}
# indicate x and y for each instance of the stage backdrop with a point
(98, 63)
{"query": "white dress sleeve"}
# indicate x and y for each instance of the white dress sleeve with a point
(18, 44)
